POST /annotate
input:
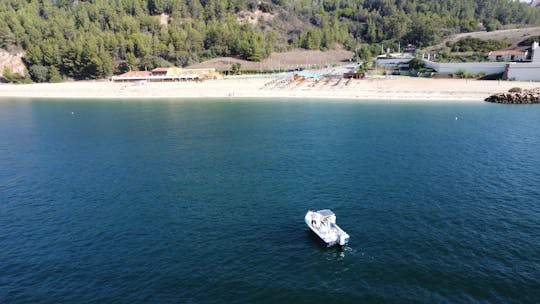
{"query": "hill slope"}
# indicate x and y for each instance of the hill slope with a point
(514, 36)
(92, 39)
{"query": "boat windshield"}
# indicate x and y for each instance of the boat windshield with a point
(325, 212)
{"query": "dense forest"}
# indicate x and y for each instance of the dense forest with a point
(95, 38)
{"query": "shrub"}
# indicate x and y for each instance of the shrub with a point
(478, 45)
(529, 41)
(39, 73)
(515, 90)
(235, 68)
(462, 73)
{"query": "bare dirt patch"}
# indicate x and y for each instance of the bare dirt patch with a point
(513, 35)
(253, 17)
(286, 60)
(164, 19)
(13, 61)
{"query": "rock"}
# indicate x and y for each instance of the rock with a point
(13, 60)
(524, 97)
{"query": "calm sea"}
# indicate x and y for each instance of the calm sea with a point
(203, 202)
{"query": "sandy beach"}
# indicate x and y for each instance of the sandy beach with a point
(392, 88)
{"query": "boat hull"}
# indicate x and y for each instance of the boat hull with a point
(326, 229)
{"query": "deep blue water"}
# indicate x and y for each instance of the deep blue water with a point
(203, 202)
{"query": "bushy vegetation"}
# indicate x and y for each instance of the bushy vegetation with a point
(515, 90)
(529, 41)
(445, 55)
(464, 74)
(470, 44)
(10, 77)
(95, 38)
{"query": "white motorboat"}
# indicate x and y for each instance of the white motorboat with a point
(323, 223)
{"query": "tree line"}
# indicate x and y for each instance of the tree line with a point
(96, 38)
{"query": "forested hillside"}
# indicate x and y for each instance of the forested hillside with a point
(95, 38)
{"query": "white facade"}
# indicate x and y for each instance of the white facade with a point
(529, 71)
(508, 57)
(535, 52)
(392, 62)
(524, 71)
(471, 67)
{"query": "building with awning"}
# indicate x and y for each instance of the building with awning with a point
(167, 74)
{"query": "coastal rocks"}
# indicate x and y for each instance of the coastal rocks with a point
(523, 97)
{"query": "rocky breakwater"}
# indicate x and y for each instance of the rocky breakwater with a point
(522, 97)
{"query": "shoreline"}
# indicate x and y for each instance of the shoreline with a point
(391, 89)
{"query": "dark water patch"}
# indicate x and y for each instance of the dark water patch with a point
(203, 202)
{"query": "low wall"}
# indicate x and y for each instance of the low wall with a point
(524, 71)
(392, 62)
(471, 67)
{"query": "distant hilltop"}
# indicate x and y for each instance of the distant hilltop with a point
(96, 39)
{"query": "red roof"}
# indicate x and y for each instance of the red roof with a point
(160, 70)
(506, 53)
(136, 74)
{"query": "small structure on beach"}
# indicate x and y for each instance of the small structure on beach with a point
(307, 75)
(167, 75)
(133, 76)
(354, 75)
(160, 71)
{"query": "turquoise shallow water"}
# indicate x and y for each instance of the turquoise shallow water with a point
(203, 202)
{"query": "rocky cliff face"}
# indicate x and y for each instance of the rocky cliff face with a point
(524, 97)
(13, 60)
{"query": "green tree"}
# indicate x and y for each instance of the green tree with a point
(87, 39)
(39, 73)
(235, 68)
(423, 32)
(11, 77)
(7, 75)
(54, 75)
(364, 53)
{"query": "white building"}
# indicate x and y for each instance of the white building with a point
(529, 71)
(523, 71)
(486, 68)
(394, 60)
(535, 52)
(508, 55)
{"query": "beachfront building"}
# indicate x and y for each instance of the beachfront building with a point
(167, 75)
(394, 60)
(132, 76)
(160, 71)
(521, 70)
(486, 68)
(508, 55)
(529, 71)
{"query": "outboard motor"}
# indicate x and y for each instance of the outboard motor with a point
(343, 239)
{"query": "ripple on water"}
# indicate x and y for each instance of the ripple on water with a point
(203, 202)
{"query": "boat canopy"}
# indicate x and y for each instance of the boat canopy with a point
(326, 212)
